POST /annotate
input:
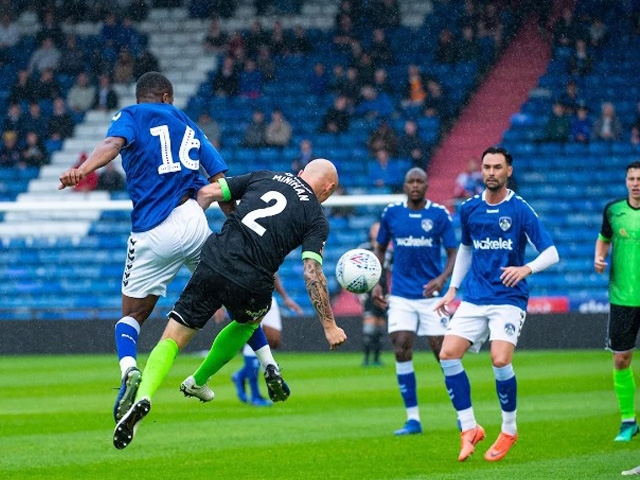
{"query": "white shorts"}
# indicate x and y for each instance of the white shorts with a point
(155, 257)
(415, 316)
(476, 323)
(273, 319)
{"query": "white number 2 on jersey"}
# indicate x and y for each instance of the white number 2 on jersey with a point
(250, 218)
(188, 142)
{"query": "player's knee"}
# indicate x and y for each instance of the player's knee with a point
(621, 360)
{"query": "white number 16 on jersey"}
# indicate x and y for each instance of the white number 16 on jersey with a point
(189, 141)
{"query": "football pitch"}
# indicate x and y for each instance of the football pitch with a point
(56, 422)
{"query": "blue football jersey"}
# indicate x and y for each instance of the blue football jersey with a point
(418, 238)
(498, 235)
(162, 158)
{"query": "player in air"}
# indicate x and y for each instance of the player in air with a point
(163, 152)
(277, 213)
(420, 230)
(621, 229)
(496, 226)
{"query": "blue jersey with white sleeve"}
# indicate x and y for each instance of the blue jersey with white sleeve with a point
(162, 157)
(418, 237)
(498, 235)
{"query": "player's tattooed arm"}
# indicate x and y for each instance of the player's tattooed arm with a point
(316, 284)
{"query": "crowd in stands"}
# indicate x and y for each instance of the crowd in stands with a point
(49, 80)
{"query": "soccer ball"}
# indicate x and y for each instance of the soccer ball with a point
(358, 270)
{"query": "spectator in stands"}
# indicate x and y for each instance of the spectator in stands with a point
(351, 86)
(304, 156)
(128, 37)
(300, 44)
(558, 125)
(90, 181)
(446, 50)
(384, 137)
(469, 182)
(50, 28)
(490, 24)
(570, 98)
(345, 34)
(581, 126)
(278, 43)
(46, 87)
(254, 134)
(209, 127)
(380, 50)
(60, 125)
(13, 121)
(215, 40)
(338, 78)
(415, 88)
(34, 121)
(384, 13)
(145, 62)
(255, 38)
(9, 37)
(226, 82)
(47, 56)
(110, 179)
(435, 105)
(278, 133)
(373, 104)
(73, 58)
(412, 147)
(82, 94)
(607, 126)
(336, 118)
(598, 33)
(580, 61)
(10, 154)
(106, 97)
(319, 80)
(565, 30)
(385, 173)
(109, 36)
(381, 82)
(366, 69)
(251, 80)
(235, 48)
(265, 63)
(123, 68)
(468, 48)
(22, 89)
(34, 152)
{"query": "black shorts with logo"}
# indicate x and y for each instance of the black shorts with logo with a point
(623, 327)
(208, 290)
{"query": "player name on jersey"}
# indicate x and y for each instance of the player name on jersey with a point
(300, 189)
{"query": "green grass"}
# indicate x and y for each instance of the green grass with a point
(56, 423)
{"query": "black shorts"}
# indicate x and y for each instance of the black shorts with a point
(208, 290)
(623, 327)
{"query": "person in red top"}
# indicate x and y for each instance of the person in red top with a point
(90, 181)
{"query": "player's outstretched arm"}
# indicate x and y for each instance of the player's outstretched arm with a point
(602, 250)
(105, 151)
(209, 194)
(316, 284)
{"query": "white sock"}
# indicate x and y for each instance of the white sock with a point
(509, 422)
(467, 419)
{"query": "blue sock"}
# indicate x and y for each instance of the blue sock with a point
(251, 368)
(258, 339)
(506, 387)
(407, 383)
(457, 382)
(127, 331)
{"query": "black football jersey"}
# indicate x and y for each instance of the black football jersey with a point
(277, 213)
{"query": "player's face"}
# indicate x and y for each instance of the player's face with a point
(633, 183)
(415, 186)
(495, 171)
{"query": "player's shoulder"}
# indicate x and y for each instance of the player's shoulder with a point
(616, 203)
(393, 207)
(436, 207)
(472, 202)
